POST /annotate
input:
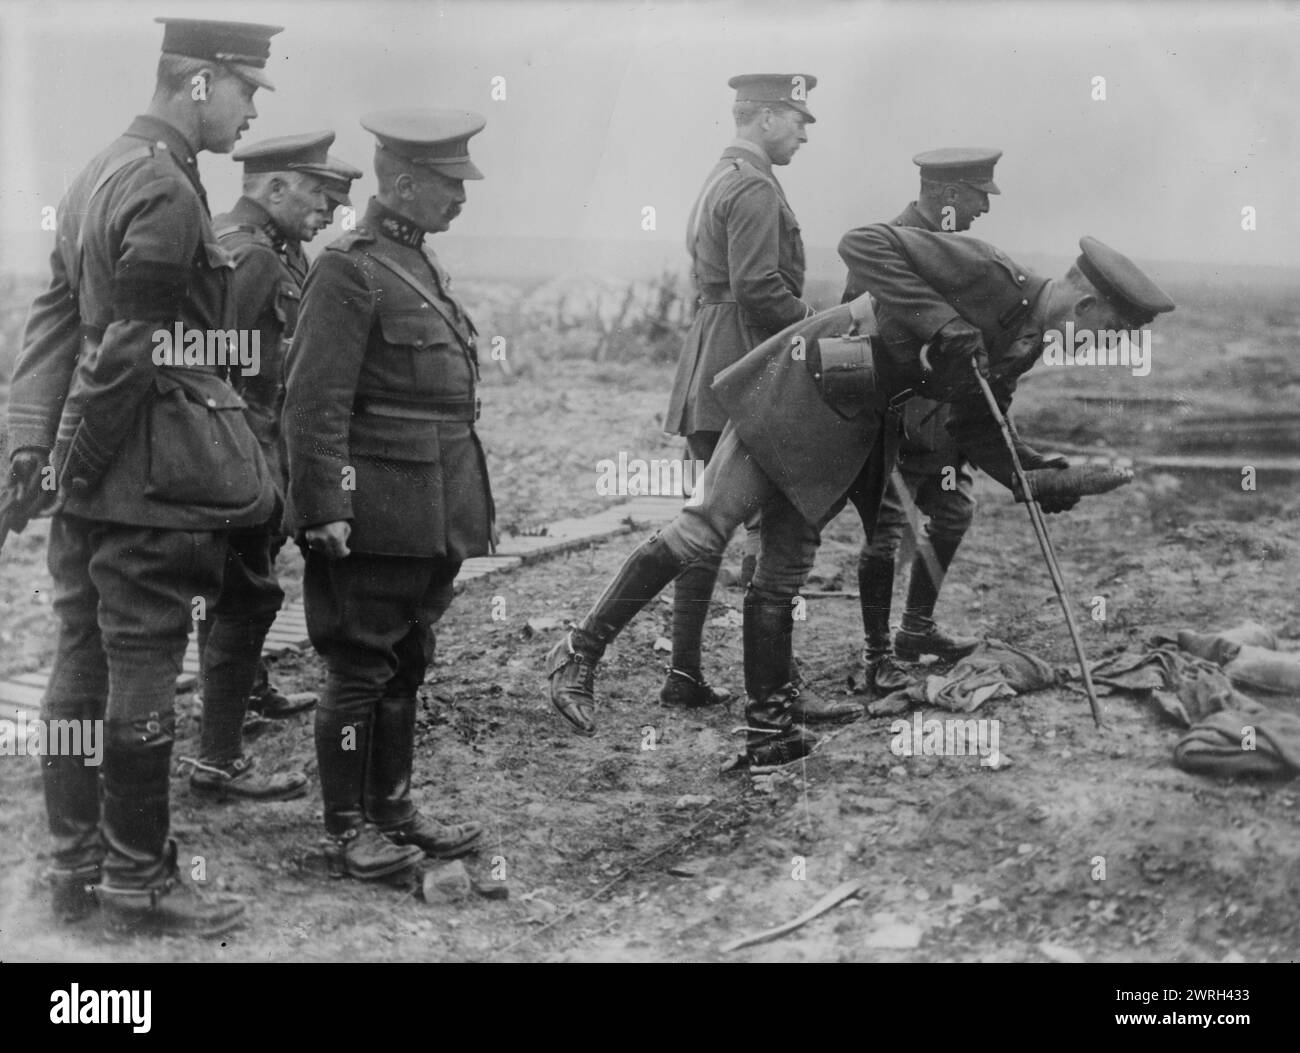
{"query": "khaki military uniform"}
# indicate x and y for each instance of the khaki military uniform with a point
(379, 426)
(266, 291)
(154, 464)
(748, 268)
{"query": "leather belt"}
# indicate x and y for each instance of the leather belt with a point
(444, 410)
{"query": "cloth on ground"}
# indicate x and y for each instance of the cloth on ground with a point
(1230, 732)
(993, 670)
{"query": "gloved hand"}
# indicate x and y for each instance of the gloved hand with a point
(960, 343)
(24, 468)
(1031, 459)
(24, 485)
(330, 539)
(1052, 505)
(955, 349)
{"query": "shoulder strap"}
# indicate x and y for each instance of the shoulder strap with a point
(697, 213)
(234, 228)
(433, 297)
(138, 153)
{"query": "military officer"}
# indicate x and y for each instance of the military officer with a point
(748, 267)
(788, 452)
(388, 489)
(955, 186)
(284, 204)
(336, 180)
(154, 460)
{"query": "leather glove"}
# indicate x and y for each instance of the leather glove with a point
(330, 539)
(1030, 459)
(960, 343)
(28, 496)
(953, 350)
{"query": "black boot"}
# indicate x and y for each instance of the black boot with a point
(353, 847)
(772, 737)
(267, 700)
(72, 804)
(772, 639)
(919, 635)
(687, 690)
(388, 787)
(142, 890)
(685, 686)
(875, 591)
(571, 663)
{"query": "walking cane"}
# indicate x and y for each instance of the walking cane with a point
(1044, 543)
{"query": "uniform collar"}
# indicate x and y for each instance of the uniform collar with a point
(751, 152)
(912, 216)
(254, 214)
(164, 136)
(393, 225)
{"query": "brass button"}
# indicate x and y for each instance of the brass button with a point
(212, 403)
(1020, 277)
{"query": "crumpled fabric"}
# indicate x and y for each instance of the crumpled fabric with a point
(1230, 733)
(994, 669)
(1217, 745)
(1185, 687)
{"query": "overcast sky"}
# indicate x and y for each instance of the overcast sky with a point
(611, 107)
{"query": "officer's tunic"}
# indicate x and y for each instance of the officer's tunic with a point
(921, 281)
(748, 259)
(154, 462)
(382, 398)
(267, 288)
(137, 443)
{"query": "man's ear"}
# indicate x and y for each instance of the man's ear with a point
(201, 84)
(404, 186)
(951, 194)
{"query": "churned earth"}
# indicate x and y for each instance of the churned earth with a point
(1080, 845)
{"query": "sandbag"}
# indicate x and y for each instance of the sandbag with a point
(1222, 647)
(1263, 671)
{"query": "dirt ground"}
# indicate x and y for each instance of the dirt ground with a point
(614, 852)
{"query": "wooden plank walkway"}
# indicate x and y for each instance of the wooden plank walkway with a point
(21, 693)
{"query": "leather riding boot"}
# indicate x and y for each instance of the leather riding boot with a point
(772, 737)
(72, 804)
(918, 634)
(571, 663)
(875, 591)
(387, 795)
(352, 846)
(770, 663)
(692, 593)
(342, 754)
(388, 786)
(142, 891)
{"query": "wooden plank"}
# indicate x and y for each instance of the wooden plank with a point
(21, 694)
(32, 679)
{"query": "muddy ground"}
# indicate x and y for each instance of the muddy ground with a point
(612, 851)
